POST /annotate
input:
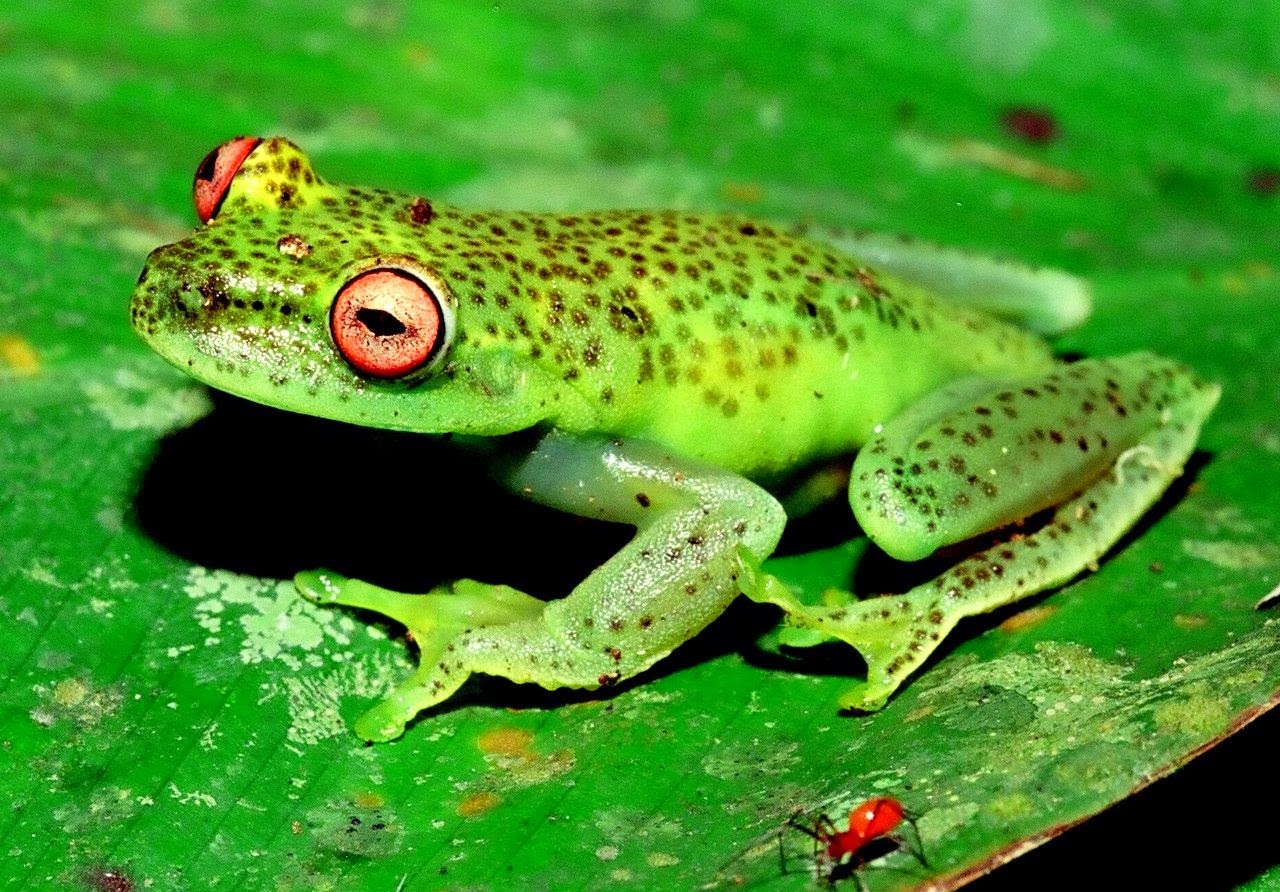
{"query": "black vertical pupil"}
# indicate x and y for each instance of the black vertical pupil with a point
(380, 322)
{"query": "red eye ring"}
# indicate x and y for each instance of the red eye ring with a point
(215, 173)
(388, 323)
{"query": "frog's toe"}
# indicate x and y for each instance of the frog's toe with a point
(384, 722)
(320, 586)
(866, 696)
(803, 636)
(435, 680)
(388, 719)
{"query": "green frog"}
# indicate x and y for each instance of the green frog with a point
(687, 374)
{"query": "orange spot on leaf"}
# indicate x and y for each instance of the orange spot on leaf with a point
(1025, 619)
(477, 804)
(505, 741)
(368, 800)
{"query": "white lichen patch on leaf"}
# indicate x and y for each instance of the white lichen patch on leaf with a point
(108, 806)
(354, 829)
(44, 570)
(129, 400)
(1049, 692)
(1233, 555)
(110, 517)
(940, 822)
(209, 737)
(111, 576)
(1064, 699)
(81, 701)
(315, 697)
(275, 622)
(193, 797)
(622, 824)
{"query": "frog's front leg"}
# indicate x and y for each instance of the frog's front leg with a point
(1097, 441)
(676, 576)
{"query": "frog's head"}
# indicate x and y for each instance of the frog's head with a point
(321, 299)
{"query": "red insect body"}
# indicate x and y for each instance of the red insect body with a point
(870, 835)
(870, 820)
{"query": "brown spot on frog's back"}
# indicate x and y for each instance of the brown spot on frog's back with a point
(420, 212)
(293, 246)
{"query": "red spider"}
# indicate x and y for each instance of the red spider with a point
(869, 836)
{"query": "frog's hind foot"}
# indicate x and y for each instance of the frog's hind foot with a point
(434, 621)
(893, 634)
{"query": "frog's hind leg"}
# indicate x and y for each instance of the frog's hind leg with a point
(678, 574)
(1047, 301)
(895, 634)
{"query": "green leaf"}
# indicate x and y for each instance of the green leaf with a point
(174, 715)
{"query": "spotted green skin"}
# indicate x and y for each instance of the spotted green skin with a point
(695, 331)
(675, 369)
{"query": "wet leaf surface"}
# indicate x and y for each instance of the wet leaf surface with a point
(174, 715)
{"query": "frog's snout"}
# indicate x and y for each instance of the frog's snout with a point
(157, 259)
(162, 300)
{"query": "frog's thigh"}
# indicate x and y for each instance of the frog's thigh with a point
(662, 588)
(984, 454)
(895, 634)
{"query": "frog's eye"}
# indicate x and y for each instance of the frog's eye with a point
(215, 173)
(388, 323)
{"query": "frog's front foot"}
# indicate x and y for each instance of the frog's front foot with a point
(440, 622)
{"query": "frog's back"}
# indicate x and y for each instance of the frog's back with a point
(725, 338)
